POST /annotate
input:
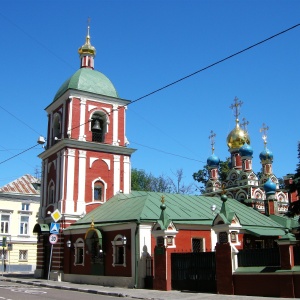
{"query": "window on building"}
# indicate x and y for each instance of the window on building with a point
(4, 223)
(119, 251)
(5, 254)
(98, 191)
(98, 128)
(24, 224)
(25, 206)
(56, 128)
(51, 189)
(79, 252)
(197, 245)
(23, 255)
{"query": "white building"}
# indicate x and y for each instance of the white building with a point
(19, 206)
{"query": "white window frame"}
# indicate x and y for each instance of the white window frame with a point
(118, 243)
(24, 225)
(4, 222)
(23, 255)
(25, 206)
(79, 246)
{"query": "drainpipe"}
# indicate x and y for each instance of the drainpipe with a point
(137, 246)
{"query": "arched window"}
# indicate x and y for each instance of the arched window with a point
(51, 189)
(56, 128)
(98, 127)
(98, 191)
(79, 252)
(119, 250)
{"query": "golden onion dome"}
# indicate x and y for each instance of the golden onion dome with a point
(87, 48)
(237, 137)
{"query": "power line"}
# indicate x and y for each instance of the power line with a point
(20, 120)
(215, 63)
(17, 154)
(169, 153)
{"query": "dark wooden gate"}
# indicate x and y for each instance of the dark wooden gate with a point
(194, 272)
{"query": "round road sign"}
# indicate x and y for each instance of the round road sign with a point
(53, 238)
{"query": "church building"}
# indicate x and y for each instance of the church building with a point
(242, 183)
(105, 233)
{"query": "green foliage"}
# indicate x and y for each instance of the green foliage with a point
(141, 181)
(294, 186)
(202, 176)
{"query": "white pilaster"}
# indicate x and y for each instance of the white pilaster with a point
(115, 125)
(69, 202)
(127, 175)
(81, 182)
(57, 179)
(82, 120)
(69, 132)
(116, 174)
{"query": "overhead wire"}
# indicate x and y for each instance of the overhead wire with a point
(159, 89)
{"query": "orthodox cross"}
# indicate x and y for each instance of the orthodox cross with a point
(245, 124)
(162, 199)
(235, 106)
(264, 130)
(212, 140)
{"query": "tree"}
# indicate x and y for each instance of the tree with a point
(202, 175)
(141, 181)
(178, 186)
(294, 186)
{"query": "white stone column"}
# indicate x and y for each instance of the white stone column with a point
(127, 175)
(69, 202)
(115, 125)
(116, 171)
(81, 182)
(82, 120)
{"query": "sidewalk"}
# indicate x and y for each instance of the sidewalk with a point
(122, 292)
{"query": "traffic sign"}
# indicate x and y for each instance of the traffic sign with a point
(54, 228)
(56, 215)
(53, 238)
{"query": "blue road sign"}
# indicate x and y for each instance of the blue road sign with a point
(54, 228)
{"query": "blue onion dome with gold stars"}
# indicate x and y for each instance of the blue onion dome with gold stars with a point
(266, 156)
(87, 79)
(270, 187)
(246, 150)
(213, 161)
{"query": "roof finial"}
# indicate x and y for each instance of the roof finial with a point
(87, 48)
(212, 141)
(235, 106)
(162, 199)
(264, 130)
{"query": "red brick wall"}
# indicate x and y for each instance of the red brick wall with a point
(267, 285)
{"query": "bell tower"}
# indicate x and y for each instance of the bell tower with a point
(86, 160)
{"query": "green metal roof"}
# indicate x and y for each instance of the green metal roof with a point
(264, 231)
(181, 209)
(88, 80)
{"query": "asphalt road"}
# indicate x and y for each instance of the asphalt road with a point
(17, 291)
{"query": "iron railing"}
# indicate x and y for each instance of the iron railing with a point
(269, 257)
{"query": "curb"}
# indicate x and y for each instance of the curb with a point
(90, 291)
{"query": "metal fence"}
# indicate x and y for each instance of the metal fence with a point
(269, 257)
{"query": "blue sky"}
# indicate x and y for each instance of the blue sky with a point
(142, 46)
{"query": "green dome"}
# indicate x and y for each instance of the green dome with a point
(88, 80)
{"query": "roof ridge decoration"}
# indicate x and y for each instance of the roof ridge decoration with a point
(164, 220)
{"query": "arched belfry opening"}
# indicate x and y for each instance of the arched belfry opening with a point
(98, 127)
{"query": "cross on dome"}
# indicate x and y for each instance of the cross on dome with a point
(264, 130)
(235, 107)
(244, 124)
(212, 141)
